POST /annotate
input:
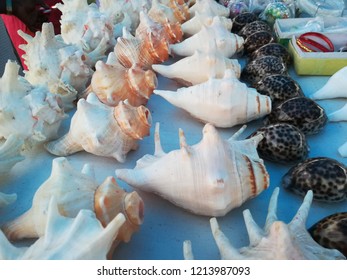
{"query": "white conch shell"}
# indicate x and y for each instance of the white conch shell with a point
(339, 115)
(65, 238)
(222, 102)
(29, 112)
(6, 199)
(211, 6)
(343, 150)
(198, 68)
(216, 35)
(195, 24)
(335, 87)
(103, 130)
(208, 178)
(75, 190)
(10, 153)
(62, 68)
(276, 241)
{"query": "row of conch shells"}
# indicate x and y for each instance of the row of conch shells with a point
(32, 113)
(209, 178)
(82, 237)
(73, 191)
(103, 130)
(222, 102)
(276, 240)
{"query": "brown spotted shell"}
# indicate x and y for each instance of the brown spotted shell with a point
(331, 232)
(257, 40)
(326, 177)
(241, 20)
(253, 27)
(274, 49)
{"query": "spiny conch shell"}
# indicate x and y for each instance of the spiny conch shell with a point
(82, 237)
(226, 42)
(230, 172)
(31, 113)
(194, 25)
(103, 130)
(180, 9)
(209, 5)
(276, 241)
(115, 83)
(6, 199)
(75, 190)
(222, 102)
(335, 87)
(198, 68)
(10, 153)
(338, 115)
(52, 63)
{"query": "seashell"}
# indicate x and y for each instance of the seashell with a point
(230, 172)
(198, 68)
(180, 9)
(10, 153)
(334, 87)
(160, 13)
(338, 115)
(73, 191)
(283, 143)
(261, 67)
(216, 34)
(343, 150)
(326, 177)
(330, 232)
(252, 27)
(194, 25)
(221, 102)
(6, 199)
(301, 112)
(29, 112)
(103, 130)
(115, 83)
(209, 5)
(279, 87)
(274, 49)
(66, 238)
(257, 40)
(242, 20)
(276, 241)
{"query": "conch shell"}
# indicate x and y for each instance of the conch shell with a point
(179, 8)
(338, 115)
(65, 238)
(343, 150)
(211, 6)
(115, 83)
(31, 113)
(209, 178)
(10, 153)
(215, 35)
(198, 68)
(276, 241)
(6, 199)
(222, 102)
(73, 191)
(103, 130)
(160, 13)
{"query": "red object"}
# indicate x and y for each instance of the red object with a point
(308, 42)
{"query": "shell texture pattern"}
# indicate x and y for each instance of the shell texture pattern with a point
(222, 102)
(10, 153)
(103, 130)
(276, 241)
(241, 20)
(179, 8)
(257, 40)
(29, 112)
(326, 177)
(82, 237)
(283, 143)
(253, 27)
(331, 232)
(73, 191)
(198, 68)
(301, 112)
(209, 178)
(274, 49)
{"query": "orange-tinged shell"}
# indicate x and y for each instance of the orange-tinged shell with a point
(181, 11)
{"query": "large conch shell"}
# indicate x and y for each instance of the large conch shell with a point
(82, 237)
(6, 199)
(74, 190)
(103, 130)
(214, 35)
(335, 87)
(115, 83)
(10, 153)
(210, 6)
(209, 178)
(62, 68)
(276, 241)
(198, 68)
(222, 102)
(31, 113)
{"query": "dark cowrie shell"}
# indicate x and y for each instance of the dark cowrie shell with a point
(274, 49)
(242, 19)
(257, 40)
(253, 27)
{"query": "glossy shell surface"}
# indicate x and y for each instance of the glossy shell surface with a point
(274, 49)
(241, 20)
(253, 27)
(326, 177)
(257, 40)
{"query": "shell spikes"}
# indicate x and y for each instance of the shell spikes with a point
(10, 153)
(230, 173)
(276, 241)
